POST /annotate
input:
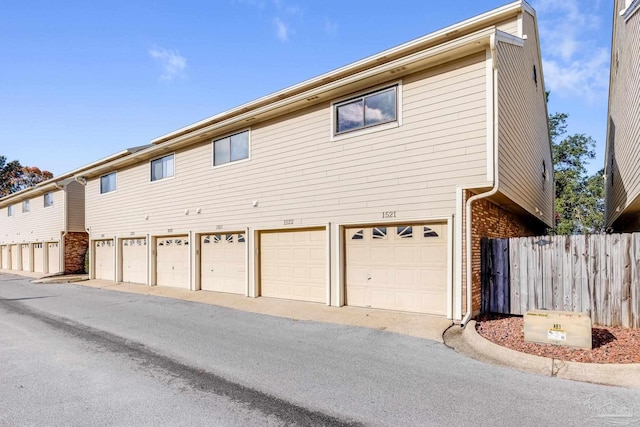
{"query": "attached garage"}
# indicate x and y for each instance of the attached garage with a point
(38, 258)
(6, 257)
(134, 260)
(399, 267)
(223, 263)
(103, 258)
(53, 257)
(26, 258)
(14, 257)
(172, 261)
(293, 264)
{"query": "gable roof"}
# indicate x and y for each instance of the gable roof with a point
(57, 182)
(457, 40)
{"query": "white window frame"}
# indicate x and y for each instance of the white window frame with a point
(10, 210)
(370, 129)
(50, 196)
(26, 206)
(115, 187)
(164, 178)
(230, 162)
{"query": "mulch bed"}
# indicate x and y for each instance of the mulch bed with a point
(610, 344)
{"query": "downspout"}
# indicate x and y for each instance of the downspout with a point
(494, 190)
(63, 234)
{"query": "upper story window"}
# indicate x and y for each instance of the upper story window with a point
(231, 148)
(368, 110)
(162, 168)
(26, 206)
(108, 183)
(48, 199)
(10, 210)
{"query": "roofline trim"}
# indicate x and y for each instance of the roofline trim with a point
(491, 16)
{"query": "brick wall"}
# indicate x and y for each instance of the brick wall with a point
(492, 221)
(75, 247)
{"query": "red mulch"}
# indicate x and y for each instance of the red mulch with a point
(610, 344)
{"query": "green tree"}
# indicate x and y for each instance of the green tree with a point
(14, 177)
(579, 197)
(9, 173)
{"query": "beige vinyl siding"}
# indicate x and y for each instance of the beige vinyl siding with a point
(509, 26)
(623, 148)
(523, 132)
(75, 202)
(39, 224)
(297, 172)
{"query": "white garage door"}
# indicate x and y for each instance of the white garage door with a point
(293, 265)
(172, 264)
(14, 257)
(6, 256)
(38, 258)
(104, 259)
(134, 260)
(26, 259)
(398, 267)
(53, 257)
(223, 263)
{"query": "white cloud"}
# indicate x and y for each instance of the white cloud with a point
(575, 61)
(282, 29)
(173, 64)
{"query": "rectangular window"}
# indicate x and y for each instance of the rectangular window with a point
(108, 183)
(231, 149)
(367, 110)
(10, 210)
(26, 206)
(162, 168)
(48, 199)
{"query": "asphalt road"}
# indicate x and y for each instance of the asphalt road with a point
(73, 355)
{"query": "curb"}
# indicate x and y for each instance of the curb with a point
(469, 342)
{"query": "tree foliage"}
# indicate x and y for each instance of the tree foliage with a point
(15, 177)
(579, 200)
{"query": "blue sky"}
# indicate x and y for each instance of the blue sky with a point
(81, 80)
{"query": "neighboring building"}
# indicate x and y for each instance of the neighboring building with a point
(622, 163)
(42, 228)
(349, 188)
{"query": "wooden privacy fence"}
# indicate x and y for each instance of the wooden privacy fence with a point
(597, 273)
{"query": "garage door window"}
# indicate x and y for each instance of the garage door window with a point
(379, 232)
(405, 231)
(429, 232)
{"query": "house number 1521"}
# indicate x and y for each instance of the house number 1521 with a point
(389, 214)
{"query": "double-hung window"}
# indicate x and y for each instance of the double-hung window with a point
(231, 148)
(10, 210)
(48, 199)
(368, 110)
(108, 183)
(26, 206)
(162, 168)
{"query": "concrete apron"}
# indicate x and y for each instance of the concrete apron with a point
(413, 324)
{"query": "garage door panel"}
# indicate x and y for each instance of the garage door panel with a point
(26, 259)
(104, 259)
(53, 257)
(14, 257)
(223, 263)
(293, 264)
(134, 260)
(397, 267)
(172, 265)
(38, 258)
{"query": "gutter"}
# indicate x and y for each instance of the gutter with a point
(494, 190)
